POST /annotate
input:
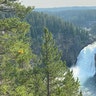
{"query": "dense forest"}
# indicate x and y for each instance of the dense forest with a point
(79, 16)
(69, 38)
(30, 61)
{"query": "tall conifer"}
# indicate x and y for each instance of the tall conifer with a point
(59, 80)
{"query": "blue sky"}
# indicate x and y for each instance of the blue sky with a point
(58, 3)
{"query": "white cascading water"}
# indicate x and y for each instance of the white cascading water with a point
(85, 66)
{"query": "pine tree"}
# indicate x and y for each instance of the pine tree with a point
(17, 76)
(12, 8)
(58, 80)
(15, 51)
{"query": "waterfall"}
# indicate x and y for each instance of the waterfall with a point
(86, 67)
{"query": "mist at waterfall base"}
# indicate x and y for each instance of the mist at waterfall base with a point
(85, 70)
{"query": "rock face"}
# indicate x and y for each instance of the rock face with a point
(95, 59)
(71, 46)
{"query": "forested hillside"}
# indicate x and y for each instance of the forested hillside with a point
(22, 71)
(79, 16)
(69, 38)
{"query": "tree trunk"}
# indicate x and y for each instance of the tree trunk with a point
(48, 87)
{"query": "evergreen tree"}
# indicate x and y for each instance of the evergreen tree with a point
(19, 76)
(12, 8)
(15, 51)
(58, 80)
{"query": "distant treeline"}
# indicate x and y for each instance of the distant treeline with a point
(80, 16)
